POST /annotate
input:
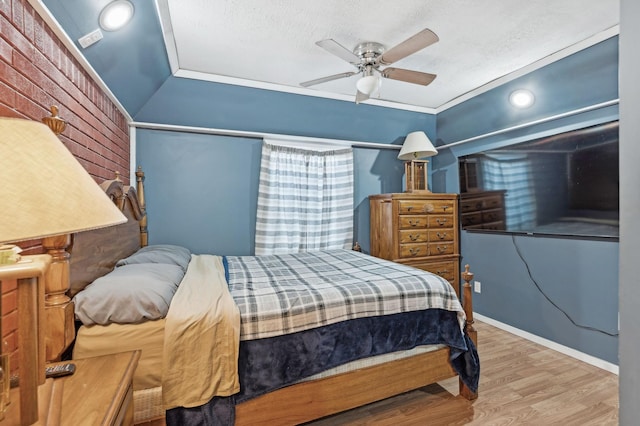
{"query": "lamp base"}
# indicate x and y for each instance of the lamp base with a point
(415, 172)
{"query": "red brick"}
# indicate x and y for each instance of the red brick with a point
(17, 12)
(5, 8)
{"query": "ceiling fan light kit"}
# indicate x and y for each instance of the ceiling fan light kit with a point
(369, 84)
(368, 57)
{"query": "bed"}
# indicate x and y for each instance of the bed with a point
(291, 368)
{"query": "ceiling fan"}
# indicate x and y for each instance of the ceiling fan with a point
(368, 57)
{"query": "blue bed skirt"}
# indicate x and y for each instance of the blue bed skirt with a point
(268, 364)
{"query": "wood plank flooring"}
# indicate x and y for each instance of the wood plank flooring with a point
(521, 383)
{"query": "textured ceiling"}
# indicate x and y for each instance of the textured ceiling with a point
(271, 44)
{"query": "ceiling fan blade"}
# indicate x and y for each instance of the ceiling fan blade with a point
(415, 77)
(361, 97)
(411, 45)
(328, 78)
(339, 50)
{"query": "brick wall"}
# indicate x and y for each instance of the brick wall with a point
(37, 71)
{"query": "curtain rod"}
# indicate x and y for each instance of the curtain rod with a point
(260, 135)
(532, 123)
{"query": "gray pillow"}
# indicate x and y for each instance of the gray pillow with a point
(159, 253)
(128, 295)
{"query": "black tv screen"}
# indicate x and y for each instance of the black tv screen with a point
(564, 185)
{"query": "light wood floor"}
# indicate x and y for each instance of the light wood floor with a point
(521, 383)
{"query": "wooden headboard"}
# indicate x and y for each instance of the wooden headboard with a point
(80, 258)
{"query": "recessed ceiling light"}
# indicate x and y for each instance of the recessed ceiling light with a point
(521, 98)
(115, 15)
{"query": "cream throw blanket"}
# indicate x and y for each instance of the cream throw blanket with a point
(202, 337)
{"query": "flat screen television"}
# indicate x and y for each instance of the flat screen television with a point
(561, 185)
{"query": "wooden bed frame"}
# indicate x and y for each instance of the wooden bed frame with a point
(95, 253)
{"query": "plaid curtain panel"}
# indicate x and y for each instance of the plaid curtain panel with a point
(513, 173)
(305, 200)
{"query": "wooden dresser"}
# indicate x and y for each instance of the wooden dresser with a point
(482, 210)
(417, 229)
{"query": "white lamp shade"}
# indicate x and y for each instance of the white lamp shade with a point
(44, 191)
(368, 84)
(416, 145)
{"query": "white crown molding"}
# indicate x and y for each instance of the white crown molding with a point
(561, 54)
(163, 12)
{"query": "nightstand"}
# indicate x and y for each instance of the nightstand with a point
(100, 392)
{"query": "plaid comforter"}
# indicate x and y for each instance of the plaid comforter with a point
(282, 294)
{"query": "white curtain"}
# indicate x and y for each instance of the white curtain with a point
(513, 173)
(305, 200)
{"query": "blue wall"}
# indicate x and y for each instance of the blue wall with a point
(202, 190)
(579, 275)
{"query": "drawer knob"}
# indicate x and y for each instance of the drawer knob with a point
(414, 251)
(442, 236)
(441, 222)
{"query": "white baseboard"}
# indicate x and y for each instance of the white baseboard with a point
(597, 362)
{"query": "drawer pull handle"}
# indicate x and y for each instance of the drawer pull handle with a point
(441, 249)
(414, 223)
(414, 237)
(442, 236)
(444, 208)
(409, 208)
(442, 273)
(441, 222)
(414, 251)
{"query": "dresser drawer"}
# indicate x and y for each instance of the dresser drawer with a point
(412, 222)
(414, 206)
(492, 215)
(444, 234)
(481, 203)
(440, 221)
(468, 219)
(470, 205)
(414, 236)
(425, 206)
(440, 249)
(446, 270)
(442, 206)
(492, 202)
(408, 251)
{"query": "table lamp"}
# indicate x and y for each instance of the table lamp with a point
(416, 146)
(44, 192)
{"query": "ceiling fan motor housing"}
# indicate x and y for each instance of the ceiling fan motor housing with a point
(369, 51)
